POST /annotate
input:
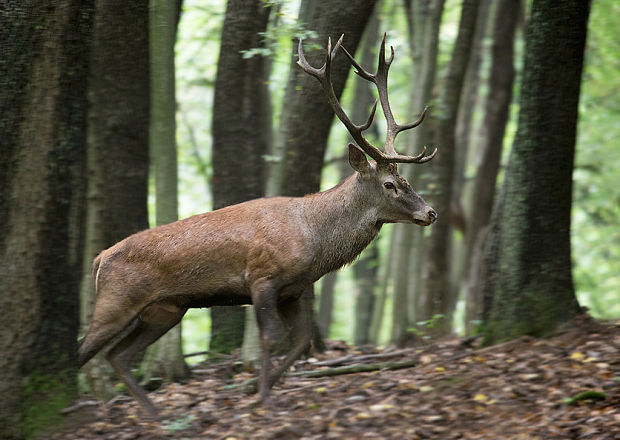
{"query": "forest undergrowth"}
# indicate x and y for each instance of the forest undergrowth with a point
(563, 387)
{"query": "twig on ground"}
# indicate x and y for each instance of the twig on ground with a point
(209, 353)
(360, 358)
(357, 368)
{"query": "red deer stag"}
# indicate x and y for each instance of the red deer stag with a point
(266, 252)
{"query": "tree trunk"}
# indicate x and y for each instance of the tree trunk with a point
(376, 322)
(424, 19)
(117, 148)
(365, 269)
(533, 291)
(497, 108)
(326, 303)
(239, 137)
(436, 298)
(43, 75)
(306, 115)
(471, 103)
(251, 348)
(164, 358)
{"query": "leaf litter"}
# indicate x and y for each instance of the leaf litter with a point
(563, 387)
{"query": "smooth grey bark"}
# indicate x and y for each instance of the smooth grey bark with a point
(532, 291)
(467, 128)
(497, 107)
(467, 138)
(326, 303)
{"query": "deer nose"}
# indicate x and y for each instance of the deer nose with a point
(432, 215)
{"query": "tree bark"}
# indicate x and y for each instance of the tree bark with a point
(239, 135)
(164, 358)
(435, 294)
(365, 269)
(43, 75)
(306, 115)
(467, 133)
(497, 109)
(466, 130)
(326, 303)
(533, 291)
(117, 148)
(424, 19)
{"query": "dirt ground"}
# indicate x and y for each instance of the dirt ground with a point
(565, 387)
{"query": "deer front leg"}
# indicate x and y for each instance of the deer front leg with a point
(265, 300)
(297, 316)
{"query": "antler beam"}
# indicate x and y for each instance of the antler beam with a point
(323, 74)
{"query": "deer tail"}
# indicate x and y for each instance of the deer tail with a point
(96, 263)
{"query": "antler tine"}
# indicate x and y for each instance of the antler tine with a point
(324, 76)
(393, 128)
(415, 123)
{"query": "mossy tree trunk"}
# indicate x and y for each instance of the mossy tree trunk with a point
(43, 76)
(532, 290)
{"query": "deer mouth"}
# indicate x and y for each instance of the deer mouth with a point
(430, 218)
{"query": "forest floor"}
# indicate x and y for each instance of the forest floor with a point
(564, 387)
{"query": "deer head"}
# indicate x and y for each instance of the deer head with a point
(398, 202)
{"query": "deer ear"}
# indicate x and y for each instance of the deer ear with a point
(357, 160)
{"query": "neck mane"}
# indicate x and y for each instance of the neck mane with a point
(343, 221)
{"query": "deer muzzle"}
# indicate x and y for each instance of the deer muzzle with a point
(428, 219)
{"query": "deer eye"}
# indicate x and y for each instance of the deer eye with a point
(389, 185)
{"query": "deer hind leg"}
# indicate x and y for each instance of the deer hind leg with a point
(265, 300)
(151, 324)
(297, 316)
(109, 320)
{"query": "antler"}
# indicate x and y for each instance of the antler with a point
(380, 80)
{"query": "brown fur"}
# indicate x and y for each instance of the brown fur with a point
(267, 252)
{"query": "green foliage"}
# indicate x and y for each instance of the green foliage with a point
(196, 333)
(44, 396)
(596, 208)
(422, 328)
(280, 35)
(586, 395)
(180, 424)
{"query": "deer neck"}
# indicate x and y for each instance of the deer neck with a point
(343, 221)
